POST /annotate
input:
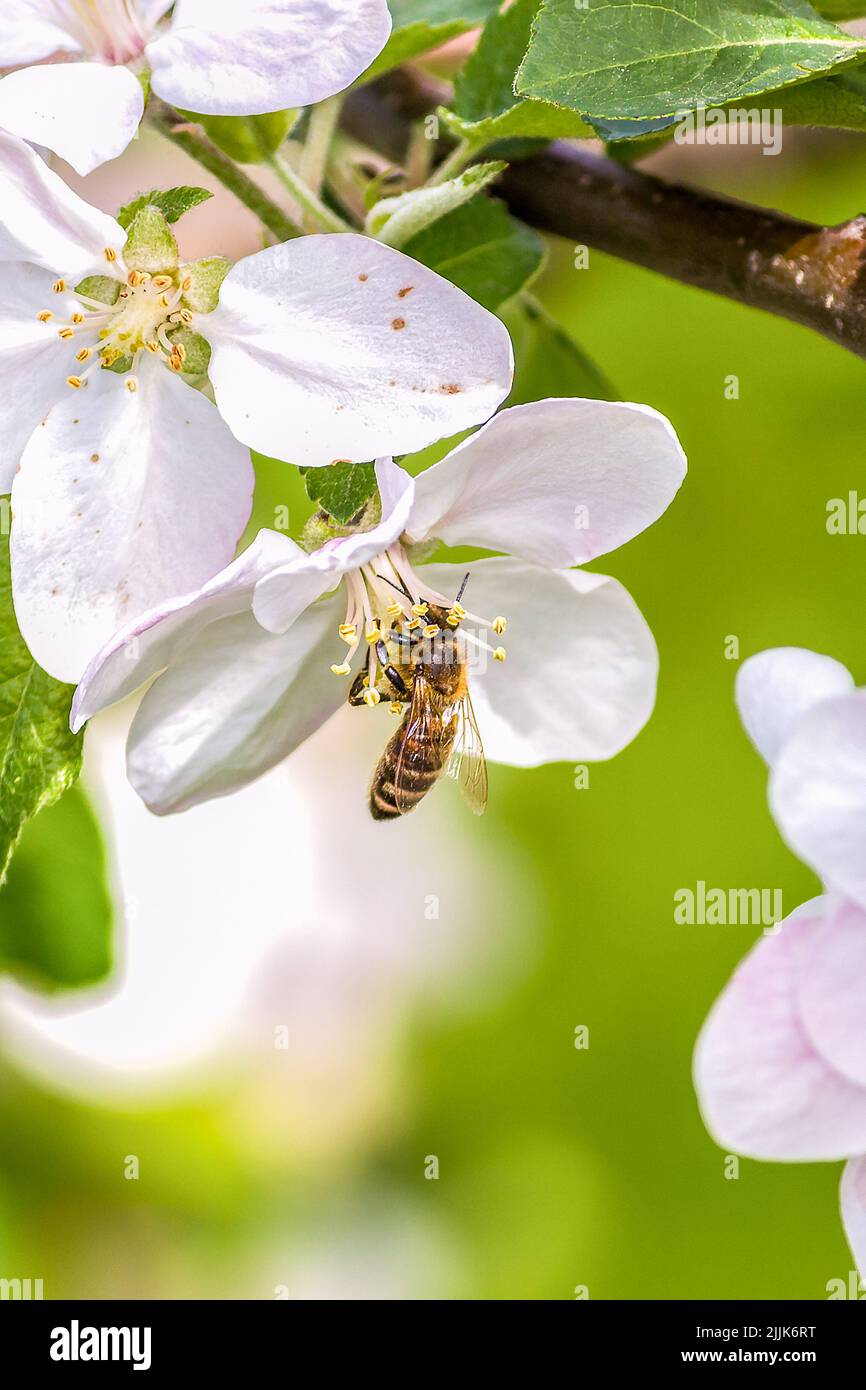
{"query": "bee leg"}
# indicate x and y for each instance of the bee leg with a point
(356, 694)
(391, 672)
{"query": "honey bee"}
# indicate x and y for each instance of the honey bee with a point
(425, 671)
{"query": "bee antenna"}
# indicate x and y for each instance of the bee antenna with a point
(401, 587)
(462, 590)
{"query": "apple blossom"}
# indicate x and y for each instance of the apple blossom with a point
(780, 1066)
(251, 662)
(132, 486)
(216, 57)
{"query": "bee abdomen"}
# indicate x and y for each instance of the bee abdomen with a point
(422, 765)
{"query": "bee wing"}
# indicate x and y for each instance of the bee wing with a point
(423, 726)
(467, 762)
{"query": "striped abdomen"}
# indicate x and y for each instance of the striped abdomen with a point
(422, 762)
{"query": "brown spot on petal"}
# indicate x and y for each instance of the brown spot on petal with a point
(362, 278)
(452, 389)
(397, 324)
(94, 458)
(401, 294)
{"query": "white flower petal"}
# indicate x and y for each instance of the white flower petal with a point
(556, 482)
(85, 112)
(763, 1088)
(235, 703)
(335, 347)
(226, 59)
(776, 687)
(818, 792)
(42, 221)
(579, 681)
(122, 500)
(852, 1200)
(32, 29)
(830, 989)
(152, 640)
(150, 12)
(285, 593)
(34, 363)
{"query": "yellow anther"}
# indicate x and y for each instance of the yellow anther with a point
(83, 355)
(180, 351)
(175, 362)
(414, 624)
(110, 254)
(185, 317)
(395, 707)
(499, 654)
(59, 286)
(46, 316)
(419, 609)
(66, 333)
(458, 609)
(164, 300)
(186, 282)
(348, 631)
(153, 346)
(372, 697)
(131, 384)
(133, 278)
(453, 618)
(161, 282)
(431, 629)
(373, 633)
(74, 381)
(394, 610)
(343, 670)
(77, 318)
(499, 626)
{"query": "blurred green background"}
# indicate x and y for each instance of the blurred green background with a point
(558, 1167)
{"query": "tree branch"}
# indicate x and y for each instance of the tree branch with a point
(813, 275)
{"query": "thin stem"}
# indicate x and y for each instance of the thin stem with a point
(456, 162)
(315, 211)
(314, 159)
(193, 141)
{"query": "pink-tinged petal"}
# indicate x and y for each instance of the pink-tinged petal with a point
(775, 688)
(123, 499)
(85, 112)
(556, 482)
(336, 347)
(830, 990)
(34, 362)
(764, 1089)
(32, 29)
(226, 59)
(42, 221)
(151, 641)
(234, 704)
(579, 680)
(282, 595)
(818, 792)
(852, 1200)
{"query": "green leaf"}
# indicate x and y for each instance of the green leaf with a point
(547, 361)
(341, 489)
(395, 221)
(55, 910)
(150, 243)
(482, 249)
(419, 25)
(39, 757)
(172, 203)
(248, 139)
(639, 59)
(841, 9)
(485, 106)
(839, 102)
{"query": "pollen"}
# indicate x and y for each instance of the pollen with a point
(372, 697)
(394, 610)
(419, 609)
(414, 625)
(395, 707)
(75, 382)
(46, 316)
(499, 654)
(83, 355)
(162, 282)
(131, 384)
(59, 286)
(343, 669)
(66, 333)
(458, 610)
(431, 630)
(348, 632)
(373, 633)
(454, 618)
(110, 254)
(499, 626)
